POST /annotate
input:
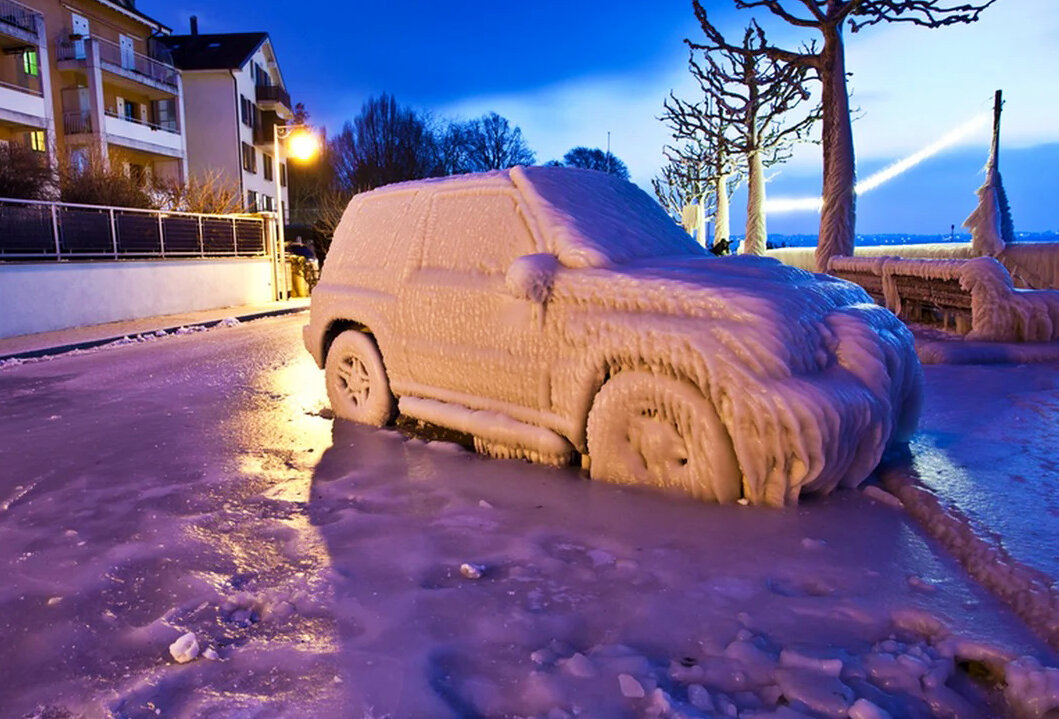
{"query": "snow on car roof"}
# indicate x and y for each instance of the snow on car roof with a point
(588, 218)
(596, 220)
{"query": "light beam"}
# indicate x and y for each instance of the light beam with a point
(954, 136)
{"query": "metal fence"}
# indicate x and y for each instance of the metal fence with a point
(31, 230)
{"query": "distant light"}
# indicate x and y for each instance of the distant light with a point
(303, 145)
(813, 204)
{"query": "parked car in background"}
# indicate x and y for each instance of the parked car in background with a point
(555, 312)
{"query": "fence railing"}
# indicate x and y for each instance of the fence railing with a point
(19, 15)
(32, 230)
(77, 122)
(168, 125)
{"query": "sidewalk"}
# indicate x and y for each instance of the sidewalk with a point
(74, 338)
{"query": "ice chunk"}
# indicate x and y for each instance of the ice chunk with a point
(864, 709)
(472, 571)
(579, 666)
(630, 687)
(185, 648)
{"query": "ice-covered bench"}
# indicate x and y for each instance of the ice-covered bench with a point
(975, 297)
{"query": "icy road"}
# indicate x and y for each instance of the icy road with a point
(195, 485)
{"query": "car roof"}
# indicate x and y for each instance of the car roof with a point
(587, 218)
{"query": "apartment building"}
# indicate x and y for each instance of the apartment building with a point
(79, 77)
(233, 83)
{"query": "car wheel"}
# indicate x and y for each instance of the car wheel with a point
(356, 380)
(659, 431)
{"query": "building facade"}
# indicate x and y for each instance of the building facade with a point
(83, 78)
(233, 83)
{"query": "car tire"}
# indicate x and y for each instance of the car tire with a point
(659, 431)
(356, 380)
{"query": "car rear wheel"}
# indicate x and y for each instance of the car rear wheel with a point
(659, 431)
(356, 380)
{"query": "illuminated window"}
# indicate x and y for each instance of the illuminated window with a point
(36, 141)
(31, 63)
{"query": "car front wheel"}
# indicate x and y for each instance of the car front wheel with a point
(660, 431)
(356, 380)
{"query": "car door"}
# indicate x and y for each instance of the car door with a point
(468, 338)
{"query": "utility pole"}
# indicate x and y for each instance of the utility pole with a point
(998, 104)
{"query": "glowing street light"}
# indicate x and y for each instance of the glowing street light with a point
(302, 144)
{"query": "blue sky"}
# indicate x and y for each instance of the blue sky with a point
(570, 72)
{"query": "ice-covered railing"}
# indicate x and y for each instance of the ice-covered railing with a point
(998, 311)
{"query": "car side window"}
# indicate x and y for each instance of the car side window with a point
(469, 231)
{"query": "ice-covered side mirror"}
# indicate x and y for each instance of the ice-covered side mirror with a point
(530, 277)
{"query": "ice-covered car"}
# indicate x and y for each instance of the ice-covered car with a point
(554, 312)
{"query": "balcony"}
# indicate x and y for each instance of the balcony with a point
(272, 97)
(19, 21)
(120, 61)
(163, 139)
(23, 105)
(77, 122)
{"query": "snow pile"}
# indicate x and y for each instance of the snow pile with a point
(1002, 313)
(514, 341)
(185, 648)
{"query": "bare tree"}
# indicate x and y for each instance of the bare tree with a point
(828, 17)
(749, 97)
(210, 192)
(91, 178)
(596, 159)
(493, 144)
(385, 143)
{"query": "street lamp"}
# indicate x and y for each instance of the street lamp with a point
(302, 144)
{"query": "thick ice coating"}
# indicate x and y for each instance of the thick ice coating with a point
(568, 302)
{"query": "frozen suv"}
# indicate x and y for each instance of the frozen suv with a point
(554, 312)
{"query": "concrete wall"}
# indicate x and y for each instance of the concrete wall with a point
(38, 297)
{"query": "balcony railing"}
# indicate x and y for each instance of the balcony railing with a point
(31, 230)
(123, 60)
(34, 90)
(19, 16)
(77, 122)
(168, 125)
(273, 93)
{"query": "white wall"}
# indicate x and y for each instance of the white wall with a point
(38, 297)
(212, 124)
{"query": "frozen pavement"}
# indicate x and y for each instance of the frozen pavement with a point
(196, 485)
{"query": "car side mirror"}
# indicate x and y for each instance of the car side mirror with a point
(530, 277)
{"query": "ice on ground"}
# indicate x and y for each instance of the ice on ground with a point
(319, 560)
(185, 648)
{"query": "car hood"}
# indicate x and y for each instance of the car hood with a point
(769, 313)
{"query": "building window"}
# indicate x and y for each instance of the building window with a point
(36, 141)
(251, 201)
(266, 165)
(246, 110)
(266, 203)
(31, 63)
(283, 174)
(249, 158)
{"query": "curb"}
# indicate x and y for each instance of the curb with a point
(89, 344)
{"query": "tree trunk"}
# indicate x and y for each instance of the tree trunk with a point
(838, 215)
(754, 242)
(721, 231)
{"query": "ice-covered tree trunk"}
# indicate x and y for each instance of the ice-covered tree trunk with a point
(838, 214)
(721, 230)
(754, 242)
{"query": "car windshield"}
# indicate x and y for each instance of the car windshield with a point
(595, 220)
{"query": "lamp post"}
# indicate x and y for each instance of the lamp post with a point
(303, 144)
